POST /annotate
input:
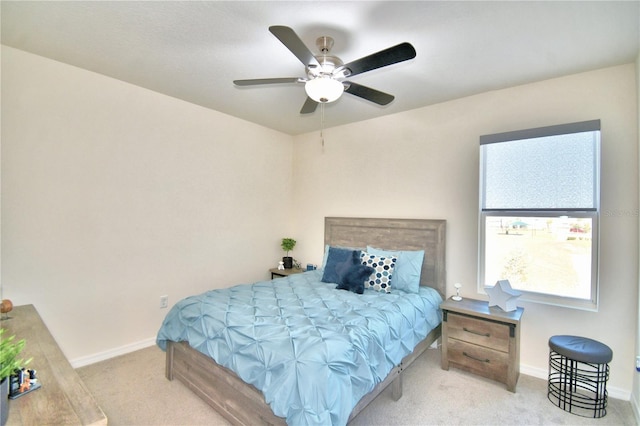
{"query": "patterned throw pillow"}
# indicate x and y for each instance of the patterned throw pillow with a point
(383, 268)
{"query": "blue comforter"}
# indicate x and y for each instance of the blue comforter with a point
(312, 350)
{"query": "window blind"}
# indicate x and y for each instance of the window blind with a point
(548, 168)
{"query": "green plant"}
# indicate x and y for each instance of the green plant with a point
(9, 361)
(288, 244)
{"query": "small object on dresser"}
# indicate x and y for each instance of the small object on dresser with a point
(457, 297)
(280, 266)
(6, 306)
(503, 296)
(311, 267)
(23, 382)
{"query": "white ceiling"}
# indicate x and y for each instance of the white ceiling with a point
(194, 50)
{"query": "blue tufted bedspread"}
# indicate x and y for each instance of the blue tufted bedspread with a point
(312, 350)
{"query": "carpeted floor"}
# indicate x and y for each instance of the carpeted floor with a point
(132, 390)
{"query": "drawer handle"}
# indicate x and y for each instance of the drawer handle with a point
(476, 332)
(474, 358)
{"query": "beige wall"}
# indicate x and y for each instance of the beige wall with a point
(424, 163)
(113, 195)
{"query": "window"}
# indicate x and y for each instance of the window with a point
(539, 211)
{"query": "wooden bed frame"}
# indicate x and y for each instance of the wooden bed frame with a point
(243, 404)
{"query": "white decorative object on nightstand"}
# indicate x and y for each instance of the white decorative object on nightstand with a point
(457, 297)
(503, 296)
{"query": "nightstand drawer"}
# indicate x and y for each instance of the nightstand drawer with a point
(480, 332)
(479, 360)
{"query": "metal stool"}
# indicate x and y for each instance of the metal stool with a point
(578, 374)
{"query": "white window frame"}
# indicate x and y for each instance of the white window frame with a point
(593, 213)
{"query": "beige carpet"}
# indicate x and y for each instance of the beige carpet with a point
(132, 390)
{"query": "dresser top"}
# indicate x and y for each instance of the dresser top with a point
(480, 308)
(63, 397)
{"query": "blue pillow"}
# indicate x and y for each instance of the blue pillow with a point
(339, 260)
(326, 253)
(354, 279)
(408, 268)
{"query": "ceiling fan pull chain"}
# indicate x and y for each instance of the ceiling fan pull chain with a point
(322, 124)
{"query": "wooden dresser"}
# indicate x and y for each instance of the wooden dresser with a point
(482, 340)
(63, 397)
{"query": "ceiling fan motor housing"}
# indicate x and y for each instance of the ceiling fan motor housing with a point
(323, 85)
(328, 64)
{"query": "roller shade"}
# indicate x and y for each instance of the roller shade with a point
(549, 168)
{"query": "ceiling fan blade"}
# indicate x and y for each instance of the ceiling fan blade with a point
(368, 93)
(392, 55)
(309, 106)
(256, 81)
(291, 40)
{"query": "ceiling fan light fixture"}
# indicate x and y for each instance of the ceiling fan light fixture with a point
(324, 89)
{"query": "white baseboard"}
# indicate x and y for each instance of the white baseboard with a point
(112, 353)
(635, 408)
(543, 373)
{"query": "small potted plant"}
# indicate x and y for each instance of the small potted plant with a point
(9, 363)
(287, 245)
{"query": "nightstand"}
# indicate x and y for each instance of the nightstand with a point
(481, 340)
(279, 273)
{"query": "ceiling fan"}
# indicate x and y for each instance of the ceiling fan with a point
(326, 74)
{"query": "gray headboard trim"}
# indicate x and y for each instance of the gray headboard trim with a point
(395, 234)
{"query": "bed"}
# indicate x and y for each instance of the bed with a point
(241, 402)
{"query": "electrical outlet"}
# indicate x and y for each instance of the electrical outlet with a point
(164, 302)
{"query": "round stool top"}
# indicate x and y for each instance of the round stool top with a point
(581, 349)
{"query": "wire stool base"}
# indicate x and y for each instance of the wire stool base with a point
(578, 387)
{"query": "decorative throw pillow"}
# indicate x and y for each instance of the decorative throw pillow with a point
(380, 279)
(408, 270)
(325, 256)
(354, 279)
(339, 260)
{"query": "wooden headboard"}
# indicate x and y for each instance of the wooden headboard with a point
(395, 234)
